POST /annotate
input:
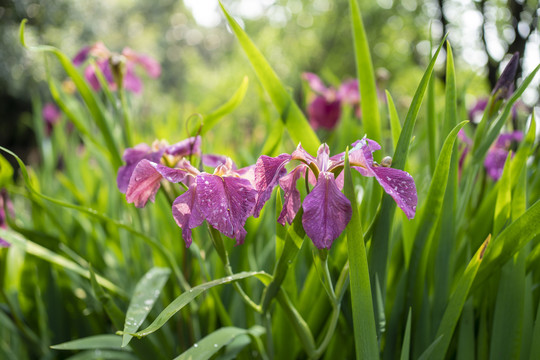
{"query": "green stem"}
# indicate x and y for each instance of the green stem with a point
(128, 138)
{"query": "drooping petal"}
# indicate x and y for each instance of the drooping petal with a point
(187, 214)
(185, 147)
(81, 56)
(494, 163)
(400, 186)
(326, 212)
(291, 195)
(268, 171)
(324, 113)
(145, 181)
(132, 156)
(226, 203)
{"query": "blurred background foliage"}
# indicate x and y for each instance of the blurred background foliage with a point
(202, 61)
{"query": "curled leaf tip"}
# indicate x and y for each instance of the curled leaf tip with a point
(21, 32)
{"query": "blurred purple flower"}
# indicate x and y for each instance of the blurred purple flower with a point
(51, 116)
(476, 112)
(103, 56)
(325, 109)
(5, 202)
(326, 210)
(505, 85)
(497, 153)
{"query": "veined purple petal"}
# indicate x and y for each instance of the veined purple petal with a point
(314, 82)
(82, 55)
(268, 171)
(226, 203)
(494, 163)
(324, 112)
(145, 181)
(187, 214)
(400, 186)
(132, 156)
(302, 155)
(291, 195)
(131, 81)
(323, 157)
(326, 212)
(185, 147)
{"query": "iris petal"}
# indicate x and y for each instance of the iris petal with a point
(268, 171)
(326, 212)
(187, 214)
(400, 186)
(291, 195)
(132, 156)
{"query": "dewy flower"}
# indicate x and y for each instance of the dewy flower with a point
(326, 210)
(104, 60)
(4, 203)
(325, 109)
(497, 153)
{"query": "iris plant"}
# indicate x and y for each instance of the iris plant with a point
(107, 61)
(326, 210)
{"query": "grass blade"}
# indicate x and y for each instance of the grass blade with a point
(365, 332)
(146, 293)
(366, 76)
(290, 113)
(406, 348)
(92, 342)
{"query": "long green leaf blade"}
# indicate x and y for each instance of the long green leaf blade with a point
(91, 342)
(290, 113)
(146, 293)
(365, 331)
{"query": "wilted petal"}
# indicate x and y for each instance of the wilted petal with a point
(326, 212)
(132, 156)
(291, 195)
(185, 147)
(400, 186)
(187, 214)
(226, 203)
(268, 171)
(324, 113)
(494, 163)
(145, 181)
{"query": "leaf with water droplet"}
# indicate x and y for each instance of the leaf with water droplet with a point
(143, 299)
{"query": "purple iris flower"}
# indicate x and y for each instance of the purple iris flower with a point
(51, 115)
(4, 203)
(497, 153)
(326, 210)
(325, 109)
(103, 55)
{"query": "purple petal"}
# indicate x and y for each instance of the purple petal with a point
(151, 66)
(324, 113)
(400, 186)
(505, 85)
(214, 160)
(132, 156)
(90, 76)
(326, 212)
(82, 55)
(185, 147)
(145, 181)
(314, 82)
(132, 82)
(477, 110)
(494, 163)
(504, 141)
(349, 93)
(4, 243)
(187, 214)
(226, 203)
(302, 155)
(291, 195)
(323, 157)
(268, 171)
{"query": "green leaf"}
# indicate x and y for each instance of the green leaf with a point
(146, 293)
(92, 342)
(504, 198)
(395, 125)
(456, 303)
(103, 355)
(365, 332)
(290, 113)
(213, 118)
(213, 342)
(535, 343)
(366, 76)
(6, 172)
(427, 353)
(50, 256)
(405, 348)
(90, 99)
(190, 295)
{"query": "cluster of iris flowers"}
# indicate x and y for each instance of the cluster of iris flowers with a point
(228, 196)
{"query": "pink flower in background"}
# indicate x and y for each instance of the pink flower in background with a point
(51, 116)
(103, 58)
(325, 109)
